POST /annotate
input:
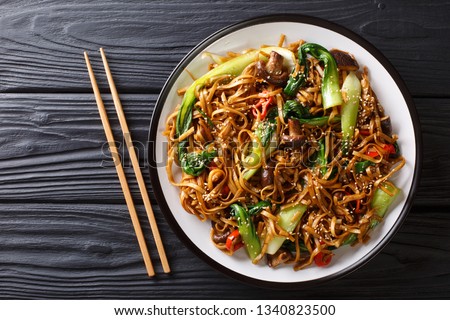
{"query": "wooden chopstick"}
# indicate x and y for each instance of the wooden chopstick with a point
(120, 171)
(135, 165)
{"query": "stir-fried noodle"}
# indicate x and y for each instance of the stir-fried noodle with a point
(305, 167)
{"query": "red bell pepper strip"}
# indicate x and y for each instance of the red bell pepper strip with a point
(225, 190)
(358, 206)
(212, 165)
(372, 152)
(229, 243)
(322, 259)
(358, 203)
(264, 104)
(387, 149)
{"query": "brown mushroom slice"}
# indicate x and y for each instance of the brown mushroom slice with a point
(295, 139)
(386, 126)
(220, 237)
(280, 257)
(275, 63)
(267, 174)
(344, 60)
(273, 71)
(293, 142)
(294, 126)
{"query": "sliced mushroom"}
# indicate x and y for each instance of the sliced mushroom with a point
(280, 257)
(273, 71)
(267, 175)
(293, 142)
(295, 139)
(344, 60)
(386, 126)
(220, 237)
(275, 63)
(295, 128)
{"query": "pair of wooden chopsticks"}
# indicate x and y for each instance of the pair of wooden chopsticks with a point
(120, 171)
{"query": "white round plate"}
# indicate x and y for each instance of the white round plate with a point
(391, 92)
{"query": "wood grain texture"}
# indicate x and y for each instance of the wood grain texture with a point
(53, 147)
(64, 227)
(42, 42)
(90, 251)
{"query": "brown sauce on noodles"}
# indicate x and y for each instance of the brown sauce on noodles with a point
(338, 194)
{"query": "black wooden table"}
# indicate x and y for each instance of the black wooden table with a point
(65, 231)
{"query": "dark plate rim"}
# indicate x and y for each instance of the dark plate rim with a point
(154, 177)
